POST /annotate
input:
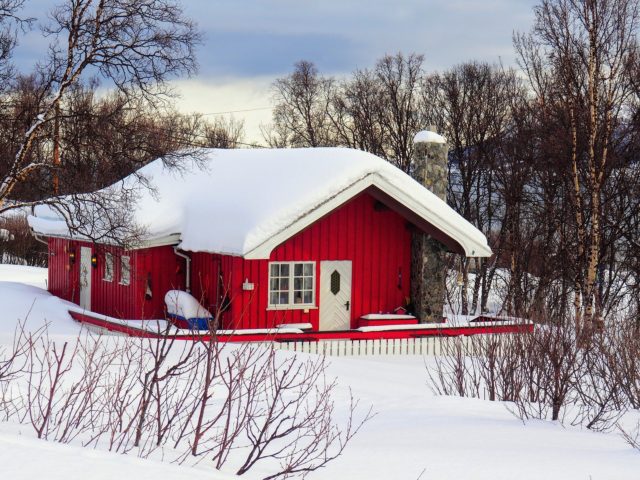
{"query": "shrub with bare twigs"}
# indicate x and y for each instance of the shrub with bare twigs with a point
(233, 406)
(552, 373)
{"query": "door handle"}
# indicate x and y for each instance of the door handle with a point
(348, 304)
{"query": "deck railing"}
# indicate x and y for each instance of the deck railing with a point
(432, 346)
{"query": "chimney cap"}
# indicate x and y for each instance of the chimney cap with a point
(427, 136)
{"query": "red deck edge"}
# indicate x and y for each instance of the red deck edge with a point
(310, 336)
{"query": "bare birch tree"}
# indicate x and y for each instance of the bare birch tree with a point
(581, 51)
(135, 47)
(300, 115)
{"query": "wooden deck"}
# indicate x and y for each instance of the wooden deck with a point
(483, 326)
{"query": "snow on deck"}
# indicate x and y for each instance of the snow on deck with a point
(235, 200)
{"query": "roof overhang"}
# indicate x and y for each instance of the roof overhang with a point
(444, 230)
(458, 236)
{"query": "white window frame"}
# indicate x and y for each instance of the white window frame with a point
(291, 305)
(125, 266)
(108, 267)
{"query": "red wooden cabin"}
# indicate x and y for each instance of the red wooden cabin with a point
(265, 237)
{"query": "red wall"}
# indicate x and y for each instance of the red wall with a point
(377, 241)
(63, 275)
(112, 298)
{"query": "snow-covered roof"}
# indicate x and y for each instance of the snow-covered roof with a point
(426, 136)
(246, 202)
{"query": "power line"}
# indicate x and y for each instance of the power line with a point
(182, 138)
(237, 111)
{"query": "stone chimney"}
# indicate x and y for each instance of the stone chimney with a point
(428, 266)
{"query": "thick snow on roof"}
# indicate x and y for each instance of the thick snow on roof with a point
(236, 201)
(426, 136)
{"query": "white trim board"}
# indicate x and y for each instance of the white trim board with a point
(471, 246)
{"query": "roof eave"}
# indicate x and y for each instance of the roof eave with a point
(471, 247)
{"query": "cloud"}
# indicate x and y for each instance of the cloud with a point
(249, 98)
(249, 43)
(261, 53)
(268, 36)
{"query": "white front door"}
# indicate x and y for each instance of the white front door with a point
(335, 295)
(85, 278)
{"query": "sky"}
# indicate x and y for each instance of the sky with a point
(249, 43)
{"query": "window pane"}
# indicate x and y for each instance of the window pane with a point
(273, 284)
(308, 269)
(307, 297)
(125, 274)
(284, 284)
(284, 270)
(273, 298)
(308, 283)
(108, 267)
(297, 284)
(297, 270)
(284, 298)
(274, 269)
(297, 297)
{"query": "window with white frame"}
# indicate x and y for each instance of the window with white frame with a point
(292, 284)
(108, 267)
(125, 270)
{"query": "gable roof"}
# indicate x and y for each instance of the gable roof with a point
(245, 202)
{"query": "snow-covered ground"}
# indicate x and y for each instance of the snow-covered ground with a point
(415, 434)
(34, 276)
(25, 457)
(24, 300)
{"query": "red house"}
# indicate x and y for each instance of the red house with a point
(264, 237)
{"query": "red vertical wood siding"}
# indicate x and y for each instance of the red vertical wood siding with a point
(63, 273)
(112, 297)
(376, 241)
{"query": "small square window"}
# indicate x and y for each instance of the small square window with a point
(285, 275)
(125, 270)
(108, 267)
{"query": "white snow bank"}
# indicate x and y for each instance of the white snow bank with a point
(425, 136)
(27, 458)
(35, 276)
(236, 200)
(34, 308)
(185, 305)
(418, 435)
